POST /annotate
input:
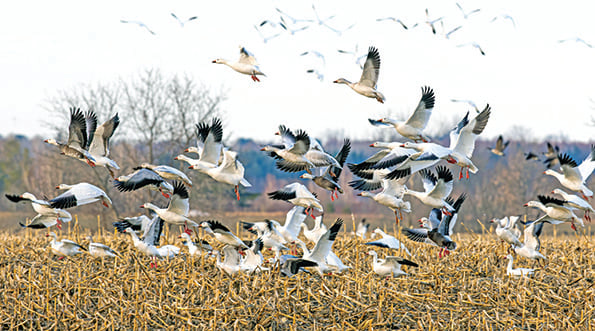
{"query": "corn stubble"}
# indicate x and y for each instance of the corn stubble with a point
(468, 289)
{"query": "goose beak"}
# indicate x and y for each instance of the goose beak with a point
(191, 167)
(175, 158)
(214, 61)
(359, 194)
(371, 145)
(262, 149)
(45, 141)
(57, 187)
(526, 205)
(142, 206)
(277, 133)
(402, 145)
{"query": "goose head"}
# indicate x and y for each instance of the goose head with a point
(53, 235)
(51, 141)
(307, 176)
(28, 196)
(63, 187)
(192, 149)
(220, 61)
(342, 81)
(365, 194)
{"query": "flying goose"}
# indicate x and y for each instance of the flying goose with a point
(531, 244)
(469, 13)
(500, 146)
(253, 260)
(231, 264)
(436, 189)
(246, 65)
(298, 195)
(291, 152)
(396, 20)
(78, 195)
(291, 266)
(140, 24)
(362, 228)
(267, 231)
(518, 272)
(222, 234)
(46, 215)
(76, 145)
(367, 83)
(148, 245)
(142, 177)
(574, 176)
(555, 210)
(462, 140)
(417, 122)
(138, 223)
(391, 196)
(167, 172)
(177, 210)
(507, 231)
(98, 140)
(390, 265)
(64, 247)
(316, 232)
(431, 22)
(329, 180)
(323, 247)
(182, 22)
(230, 171)
(387, 241)
(577, 202)
(194, 248)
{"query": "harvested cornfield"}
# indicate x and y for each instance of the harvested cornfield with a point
(468, 289)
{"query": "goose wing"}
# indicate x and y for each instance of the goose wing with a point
(140, 178)
(77, 129)
(99, 144)
(371, 68)
(421, 115)
(179, 201)
(246, 57)
(468, 134)
(325, 242)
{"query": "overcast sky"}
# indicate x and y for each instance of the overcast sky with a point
(528, 77)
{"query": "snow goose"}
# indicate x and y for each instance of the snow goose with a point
(291, 152)
(46, 215)
(531, 244)
(298, 195)
(551, 156)
(390, 265)
(573, 176)
(500, 146)
(167, 172)
(507, 231)
(316, 232)
(555, 210)
(291, 266)
(387, 241)
(78, 195)
(362, 228)
(392, 156)
(436, 189)
(518, 272)
(268, 232)
(177, 209)
(246, 65)
(323, 247)
(441, 234)
(100, 250)
(574, 201)
(427, 224)
(468, 13)
(391, 196)
(462, 140)
(138, 223)
(148, 245)
(417, 122)
(367, 82)
(64, 247)
(99, 140)
(222, 234)
(193, 247)
(142, 177)
(230, 171)
(253, 260)
(332, 261)
(329, 180)
(209, 145)
(231, 264)
(77, 143)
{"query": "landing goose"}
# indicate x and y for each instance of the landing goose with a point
(209, 145)
(230, 171)
(292, 266)
(253, 260)
(222, 234)
(293, 222)
(142, 177)
(531, 244)
(78, 195)
(148, 245)
(390, 265)
(436, 188)
(427, 224)
(64, 247)
(555, 211)
(316, 232)
(76, 145)
(573, 176)
(195, 248)
(231, 264)
(99, 140)
(46, 215)
(577, 202)
(323, 247)
(246, 65)
(416, 123)
(177, 210)
(329, 180)
(507, 231)
(462, 140)
(167, 172)
(100, 250)
(440, 235)
(391, 196)
(500, 146)
(138, 223)
(298, 195)
(362, 228)
(268, 232)
(518, 272)
(387, 241)
(367, 83)
(333, 262)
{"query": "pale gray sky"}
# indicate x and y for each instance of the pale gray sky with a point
(528, 77)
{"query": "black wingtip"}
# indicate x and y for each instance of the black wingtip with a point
(180, 189)
(334, 230)
(428, 97)
(396, 174)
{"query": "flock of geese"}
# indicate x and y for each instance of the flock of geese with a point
(387, 170)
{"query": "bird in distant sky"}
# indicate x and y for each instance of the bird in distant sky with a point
(504, 17)
(432, 22)
(394, 20)
(183, 22)
(578, 40)
(474, 45)
(139, 23)
(469, 13)
(469, 102)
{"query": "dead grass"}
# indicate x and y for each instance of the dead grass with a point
(467, 290)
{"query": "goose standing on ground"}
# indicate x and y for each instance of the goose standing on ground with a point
(246, 65)
(367, 83)
(500, 146)
(531, 244)
(436, 189)
(462, 140)
(555, 211)
(46, 215)
(64, 247)
(362, 228)
(391, 196)
(387, 241)
(167, 172)
(574, 201)
(99, 140)
(222, 234)
(518, 272)
(100, 250)
(177, 209)
(390, 265)
(76, 145)
(329, 180)
(298, 195)
(78, 195)
(507, 231)
(573, 176)
(416, 123)
(316, 232)
(253, 260)
(142, 177)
